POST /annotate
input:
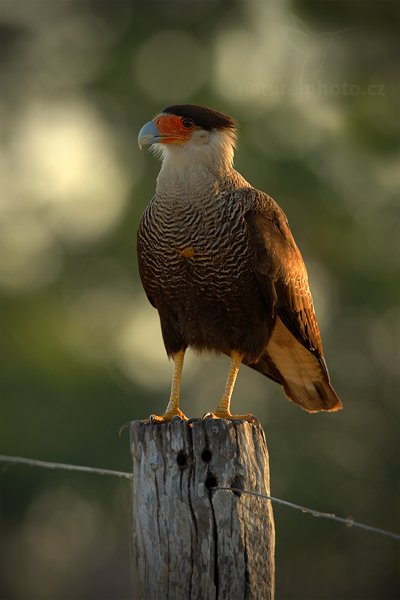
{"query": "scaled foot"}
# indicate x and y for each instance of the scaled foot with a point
(227, 415)
(168, 416)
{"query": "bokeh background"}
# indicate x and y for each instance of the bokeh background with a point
(315, 88)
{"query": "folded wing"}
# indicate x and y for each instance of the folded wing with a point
(294, 351)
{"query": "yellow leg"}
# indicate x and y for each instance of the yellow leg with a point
(223, 409)
(173, 409)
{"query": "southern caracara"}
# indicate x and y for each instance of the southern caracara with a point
(219, 263)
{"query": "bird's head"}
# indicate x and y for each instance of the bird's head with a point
(189, 129)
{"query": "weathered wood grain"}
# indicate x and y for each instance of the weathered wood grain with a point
(192, 542)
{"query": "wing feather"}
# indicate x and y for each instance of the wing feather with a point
(279, 265)
(294, 355)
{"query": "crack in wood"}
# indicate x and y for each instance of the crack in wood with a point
(215, 540)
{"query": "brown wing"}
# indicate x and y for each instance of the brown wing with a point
(280, 266)
(295, 349)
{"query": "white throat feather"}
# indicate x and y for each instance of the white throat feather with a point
(205, 157)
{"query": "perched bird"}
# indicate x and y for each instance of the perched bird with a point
(218, 261)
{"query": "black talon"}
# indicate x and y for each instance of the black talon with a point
(208, 415)
(122, 429)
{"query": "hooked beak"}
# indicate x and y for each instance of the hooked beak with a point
(149, 134)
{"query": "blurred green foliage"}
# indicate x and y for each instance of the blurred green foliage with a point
(314, 86)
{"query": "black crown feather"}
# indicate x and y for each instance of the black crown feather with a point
(204, 117)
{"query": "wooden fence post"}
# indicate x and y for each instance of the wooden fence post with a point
(191, 542)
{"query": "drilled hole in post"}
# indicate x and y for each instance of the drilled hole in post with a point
(182, 458)
(211, 481)
(237, 484)
(206, 455)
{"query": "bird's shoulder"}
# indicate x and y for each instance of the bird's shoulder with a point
(253, 200)
(265, 220)
(279, 266)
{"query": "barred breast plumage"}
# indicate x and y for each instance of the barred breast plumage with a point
(195, 268)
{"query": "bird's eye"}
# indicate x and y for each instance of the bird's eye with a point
(187, 123)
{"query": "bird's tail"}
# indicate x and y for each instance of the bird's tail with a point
(303, 376)
(313, 395)
(306, 384)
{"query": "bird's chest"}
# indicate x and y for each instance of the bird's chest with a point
(192, 248)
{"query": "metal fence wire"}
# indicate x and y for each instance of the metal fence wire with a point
(349, 521)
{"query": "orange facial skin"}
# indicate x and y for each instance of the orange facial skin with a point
(174, 129)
